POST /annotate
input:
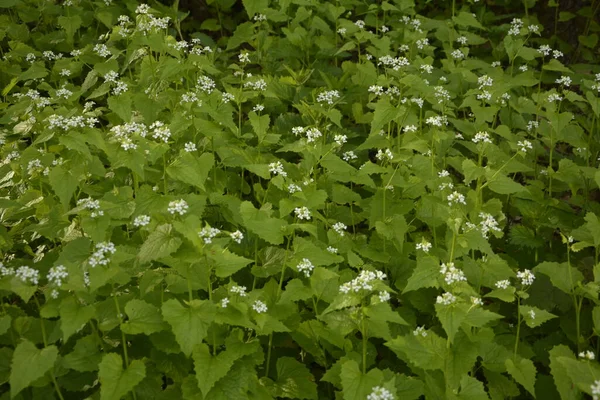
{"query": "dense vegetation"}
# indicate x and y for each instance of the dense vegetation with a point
(359, 200)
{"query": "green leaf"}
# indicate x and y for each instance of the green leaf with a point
(425, 274)
(85, 355)
(260, 124)
(424, 352)
(471, 389)
(73, 316)
(116, 382)
(190, 169)
(189, 324)
(467, 20)
(210, 369)
(121, 105)
(29, 364)
(70, 24)
(534, 316)
(254, 7)
(64, 184)
(479, 317)
(243, 33)
(504, 185)
(523, 372)
(261, 223)
(559, 373)
(294, 380)
(160, 243)
(4, 324)
(559, 275)
(451, 317)
(142, 318)
(357, 386)
(227, 263)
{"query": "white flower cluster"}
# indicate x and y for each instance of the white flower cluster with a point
(57, 274)
(414, 23)
(99, 256)
(384, 296)
(546, 50)
(102, 50)
(258, 85)
(91, 204)
(259, 307)
(420, 331)
(564, 80)
(305, 266)
(476, 301)
(589, 355)
(237, 236)
(26, 273)
(293, 188)
(595, 390)
(239, 290)
(276, 168)
(190, 147)
(6, 271)
(452, 274)
(396, 63)
(40, 101)
(178, 207)
(123, 133)
(481, 137)
(515, 27)
(207, 234)
(552, 97)
(141, 220)
(503, 284)
(34, 166)
(349, 155)
(149, 22)
(440, 94)
(488, 223)
(424, 245)
(224, 302)
(205, 84)
(340, 139)
(332, 250)
(526, 277)
(437, 120)
(340, 228)
(302, 213)
(364, 281)
(380, 393)
(160, 131)
(328, 97)
(446, 299)
(58, 121)
(524, 145)
(387, 154)
(457, 198)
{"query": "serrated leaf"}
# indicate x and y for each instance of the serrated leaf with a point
(357, 386)
(190, 169)
(85, 355)
(227, 263)
(451, 317)
(64, 184)
(294, 380)
(524, 373)
(73, 316)
(160, 243)
(424, 352)
(425, 274)
(260, 223)
(210, 369)
(142, 318)
(504, 185)
(29, 364)
(559, 372)
(116, 382)
(121, 105)
(189, 324)
(559, 275)
(534, 316)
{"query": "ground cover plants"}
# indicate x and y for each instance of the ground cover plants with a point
(299, 199)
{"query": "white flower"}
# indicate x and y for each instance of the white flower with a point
(141, 220)
(57, 274)
(410, 128)
(208, 233)
(380, 393)
(387, 154)
(421, 43)
(362, 282)
(341, 31)
(587, 355)
(111, 77)
(244, 57)
(523, 68)
(65, 72)
(260, 17)
(476, 301)
(340, 139)
(258, 85)
(420, 331)
(557, 53)
(496, 64)
(178, 207)
(305, 266)
(339, 227)
(452, 274)
(360, 23)
(349, 155)
(532, 314)
(524, 145)
(25, 274)
(526, 277)
(258, 108)
(259, 307)
(312, 134)
(224, 302)
(462, 40)
(227, 97)
(328, 97)
(457, 54)
(102, 50)
(425, 246)
(426, 68)
(481, 137)
(384, 296)
(277, 168)
(293, 188)
(457, 198)
(237, 236)
(5, 271)
(488, 223)
(503, 284)
(142, 9)
(190, 147)
(384, 29)
(564, 80)
(595, 389)
(240, 290)
(332, 250)
(545, 49)
(446, 299)
(443, 173)
(302, 213)
(205, 84)
(485, 81)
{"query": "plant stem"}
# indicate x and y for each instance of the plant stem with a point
(518, 328)
(364, 344)
(45, 339)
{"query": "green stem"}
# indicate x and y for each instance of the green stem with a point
(518, 328)
(364, 344)
(45, 339)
